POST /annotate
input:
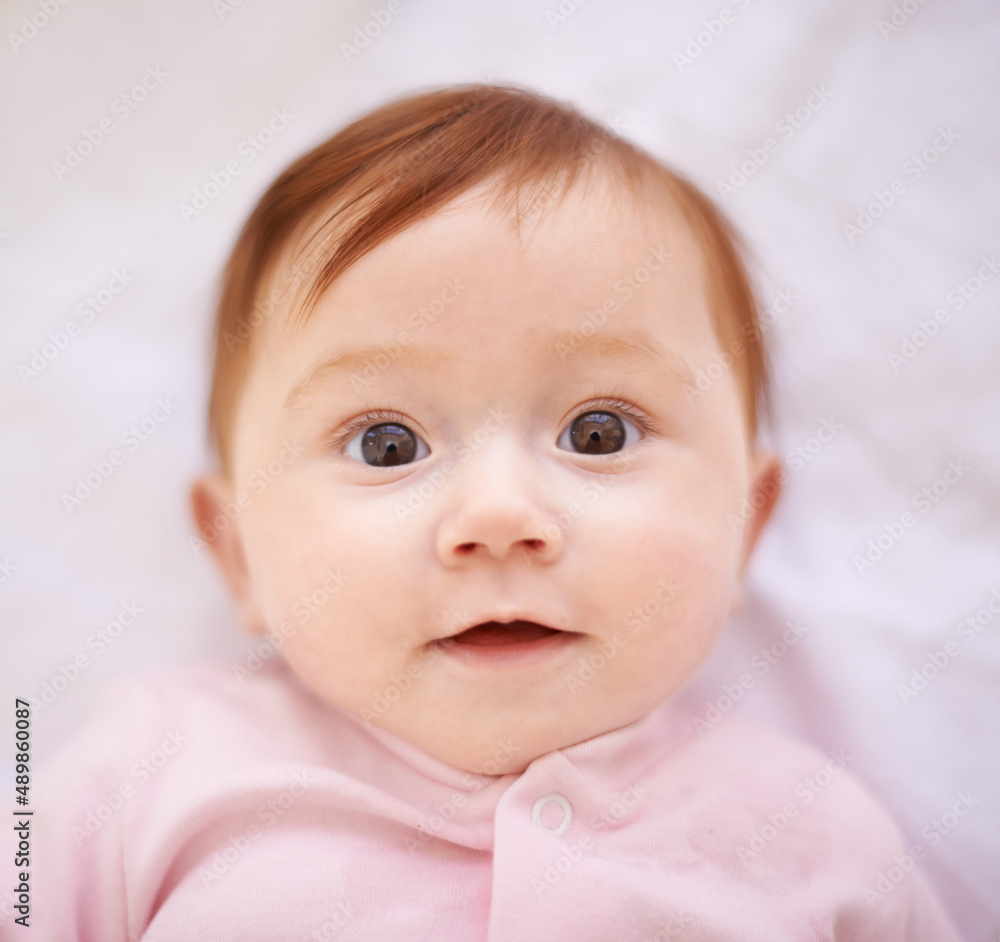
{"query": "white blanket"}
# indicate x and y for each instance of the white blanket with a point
(856, 145)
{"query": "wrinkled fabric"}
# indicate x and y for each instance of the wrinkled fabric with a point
(200, 806)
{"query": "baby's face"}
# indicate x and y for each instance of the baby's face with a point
(536, 458)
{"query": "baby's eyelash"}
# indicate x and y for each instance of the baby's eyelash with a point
(620, 405)
(372, 417)
(380, 414)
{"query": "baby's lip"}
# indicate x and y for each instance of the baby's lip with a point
(503, 633)
(525, 623)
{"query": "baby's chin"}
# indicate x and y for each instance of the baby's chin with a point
(507, 744)
(491, 721)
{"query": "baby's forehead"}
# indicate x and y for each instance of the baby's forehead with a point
(598, 212)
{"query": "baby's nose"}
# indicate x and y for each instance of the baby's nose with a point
(499, 512)
(491, 530)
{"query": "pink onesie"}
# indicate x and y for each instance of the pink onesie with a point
(196, 806)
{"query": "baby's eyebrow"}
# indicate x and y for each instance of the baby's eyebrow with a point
(635, 349)
(356, 360)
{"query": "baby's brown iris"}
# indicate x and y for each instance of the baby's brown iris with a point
(388, 444)
(597, 433)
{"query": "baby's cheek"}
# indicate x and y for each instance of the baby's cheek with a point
(682, 586)
(291, 582)
(684, 529)
(306, 540)
(699, 576)
(324, 567)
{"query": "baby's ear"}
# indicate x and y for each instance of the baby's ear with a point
(210, 495)
(766, 478)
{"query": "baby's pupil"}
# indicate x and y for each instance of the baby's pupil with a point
(388, 444)
(598, 433)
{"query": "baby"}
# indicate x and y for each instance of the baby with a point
(480, 489)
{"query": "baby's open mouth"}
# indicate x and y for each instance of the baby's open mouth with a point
(518, 644)
(500, 633)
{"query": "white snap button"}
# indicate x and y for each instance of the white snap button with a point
(536, 812)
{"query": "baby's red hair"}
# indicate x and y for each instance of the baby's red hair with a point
(403, 161)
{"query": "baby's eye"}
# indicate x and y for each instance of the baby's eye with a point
(596, 433)
(386, 445)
